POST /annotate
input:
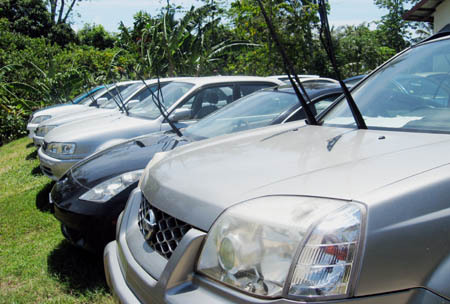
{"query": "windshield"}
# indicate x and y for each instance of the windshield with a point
(412, 92)
(169, 94)
(88, 99)
(125, 94)
(253, 111)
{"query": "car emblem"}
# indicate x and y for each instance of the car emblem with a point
(148, 223)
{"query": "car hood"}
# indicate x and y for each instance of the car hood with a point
(97, 133)
(91, 113)
(197, 182)
(61, 110)
(128, 156)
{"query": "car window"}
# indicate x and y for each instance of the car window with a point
(253, 111)
(121, 94)
(324, 102)
(168, 96)
(207, 101)
(411, 92)
(246, 89)
(88, 99)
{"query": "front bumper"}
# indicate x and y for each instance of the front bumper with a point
(52, 167)
(87, 224)
(38, 141)
(134, 277)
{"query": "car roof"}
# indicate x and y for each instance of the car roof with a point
(312, 91)
(220, 79)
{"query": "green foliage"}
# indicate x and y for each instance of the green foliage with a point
(359, 50)
(96, 36)
(28, 17)
(296, 25)
(51, 64)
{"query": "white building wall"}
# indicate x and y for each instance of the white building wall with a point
(442, 15)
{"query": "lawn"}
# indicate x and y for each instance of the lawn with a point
(36, 264)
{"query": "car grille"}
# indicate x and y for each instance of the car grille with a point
(162, 231)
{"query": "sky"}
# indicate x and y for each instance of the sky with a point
(109, 13)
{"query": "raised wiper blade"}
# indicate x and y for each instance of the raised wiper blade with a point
(328, 45)
(158, 104)
(113, 98)
(124, 108)
(289, 69)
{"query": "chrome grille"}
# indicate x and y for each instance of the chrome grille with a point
(162, 231)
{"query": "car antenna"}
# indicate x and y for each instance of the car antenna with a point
(158, 103)
(328, 45)
(289, 69)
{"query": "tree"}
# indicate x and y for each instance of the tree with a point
(61, 10)
(359, 50)
(295, 22)
(29, 17)
(395, 32)
(96, 36)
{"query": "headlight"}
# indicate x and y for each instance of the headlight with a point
(108, 189)
(41, 131)
(255, 246)
(39, 119)
(61, 148)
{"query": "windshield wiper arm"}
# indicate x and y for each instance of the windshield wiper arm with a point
(289, 69)
(158, 104)
(124, 107)
(120, 105)
(328, 45)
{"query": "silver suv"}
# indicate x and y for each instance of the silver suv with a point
(303, 213)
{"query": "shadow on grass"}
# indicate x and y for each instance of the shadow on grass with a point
(42, 202)
(79, 270)
(32, 155)
(37, 171)
(30, 145)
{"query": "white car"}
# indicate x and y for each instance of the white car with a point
(84, 105)
(122, 94)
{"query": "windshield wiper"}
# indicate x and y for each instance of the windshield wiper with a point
(158, 103)
(124, 107)
(289, 69)
(328, 45)
(120, 105)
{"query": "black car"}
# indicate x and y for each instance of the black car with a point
(90, 196)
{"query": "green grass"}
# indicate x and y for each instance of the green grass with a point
(36, 264)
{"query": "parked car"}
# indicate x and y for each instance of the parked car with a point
(189, 99)
(40, 116)
(120, 96)
(89, 197)
(326, 213)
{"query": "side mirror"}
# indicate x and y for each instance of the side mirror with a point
(132, 103)
(101, 100)
(180, 114)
